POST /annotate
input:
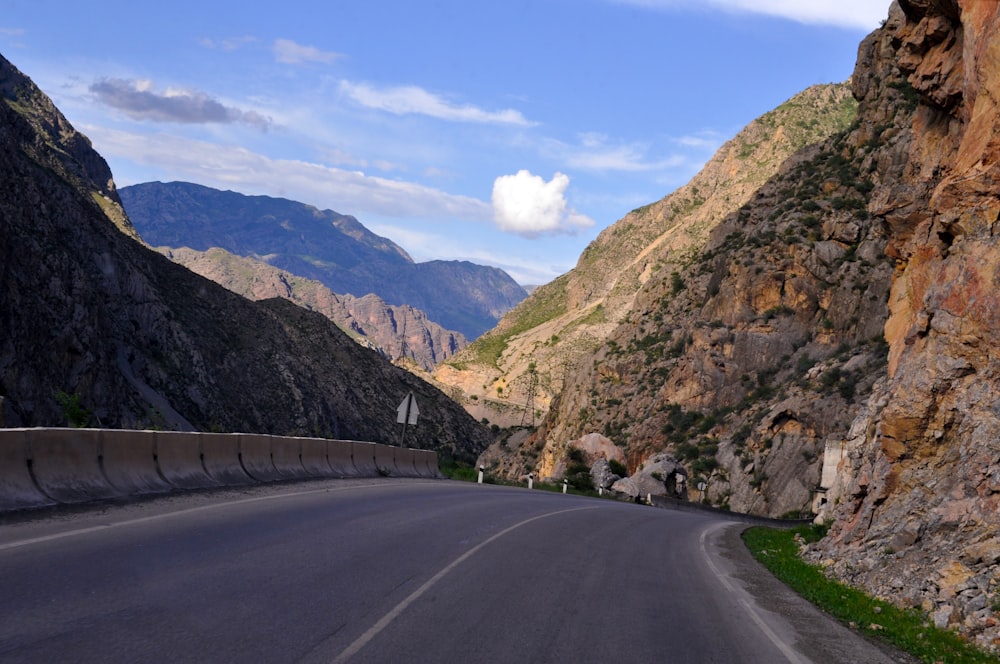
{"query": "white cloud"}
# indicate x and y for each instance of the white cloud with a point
(288, 52)
(410, 99)
(231, 44)
(528, 205)
(597, 153)
(855, 14)
(222, 166)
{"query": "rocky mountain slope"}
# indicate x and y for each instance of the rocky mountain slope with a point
(324, 246)
(96, 328)
(837, 332)
(400, 333)
(529, 356)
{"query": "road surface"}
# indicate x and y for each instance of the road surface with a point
(398, 571)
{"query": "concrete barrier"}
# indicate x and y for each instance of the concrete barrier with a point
(220, 454)
(66, 464)
(363, 455)
(385, 460)
(42, 467)
(338, 454)
(255, 456)
(17, 490)
(129, 459)
(404, 459)
(313, 455)
(426, 463)
(287, 456)
(178, 458)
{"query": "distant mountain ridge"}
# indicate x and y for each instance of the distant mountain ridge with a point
(400, 333)
(322, 245)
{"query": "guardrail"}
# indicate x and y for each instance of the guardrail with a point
(52, 466)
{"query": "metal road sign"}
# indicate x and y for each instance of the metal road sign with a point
(407, 411)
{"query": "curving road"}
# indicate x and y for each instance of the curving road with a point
(398, 571)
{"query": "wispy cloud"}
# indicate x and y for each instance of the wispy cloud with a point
(288, 52)
(854, 14)
(599, 153)
(528, 205)
(139, 101)
(229, 44)
(222, 166)
(410, 99)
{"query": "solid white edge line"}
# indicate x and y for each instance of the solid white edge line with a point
(387, 619)
(785, 649)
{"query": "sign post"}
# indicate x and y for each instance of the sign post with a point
(407, 413)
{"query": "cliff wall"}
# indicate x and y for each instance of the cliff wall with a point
(916, 503)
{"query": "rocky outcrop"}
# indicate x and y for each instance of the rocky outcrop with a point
(98, 329)
(915, 506)
(400, 333)
(321, 245)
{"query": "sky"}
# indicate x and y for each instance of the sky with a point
(503, 133)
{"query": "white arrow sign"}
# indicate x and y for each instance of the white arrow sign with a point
(407, 411)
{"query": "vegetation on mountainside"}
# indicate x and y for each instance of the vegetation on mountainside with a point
(545, 303)
(906, 629)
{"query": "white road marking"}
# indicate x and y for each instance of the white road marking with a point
(387, 619)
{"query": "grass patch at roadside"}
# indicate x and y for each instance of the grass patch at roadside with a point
(907, 629)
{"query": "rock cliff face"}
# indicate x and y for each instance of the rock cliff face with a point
(402, 334)
(916, 500)
(97, 328)
(528, 358)
(322, 245)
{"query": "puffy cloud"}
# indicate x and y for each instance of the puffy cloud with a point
(410, 99)
(288, 52)
(528, 205)
(137, 100)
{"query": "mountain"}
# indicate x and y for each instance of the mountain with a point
(97, 328)
(401, 333)
(528, 356)
(324, 246)
(832, 344)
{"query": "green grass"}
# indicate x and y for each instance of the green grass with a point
(906, 629)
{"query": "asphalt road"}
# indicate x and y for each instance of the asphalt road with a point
(398, 571)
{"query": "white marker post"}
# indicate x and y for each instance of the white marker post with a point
(531, 480)
(481, 470)
(406, 413)
(565, 485)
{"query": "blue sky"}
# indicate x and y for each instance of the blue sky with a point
(505, 133)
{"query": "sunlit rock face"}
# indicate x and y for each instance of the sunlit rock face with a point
(915, 505)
